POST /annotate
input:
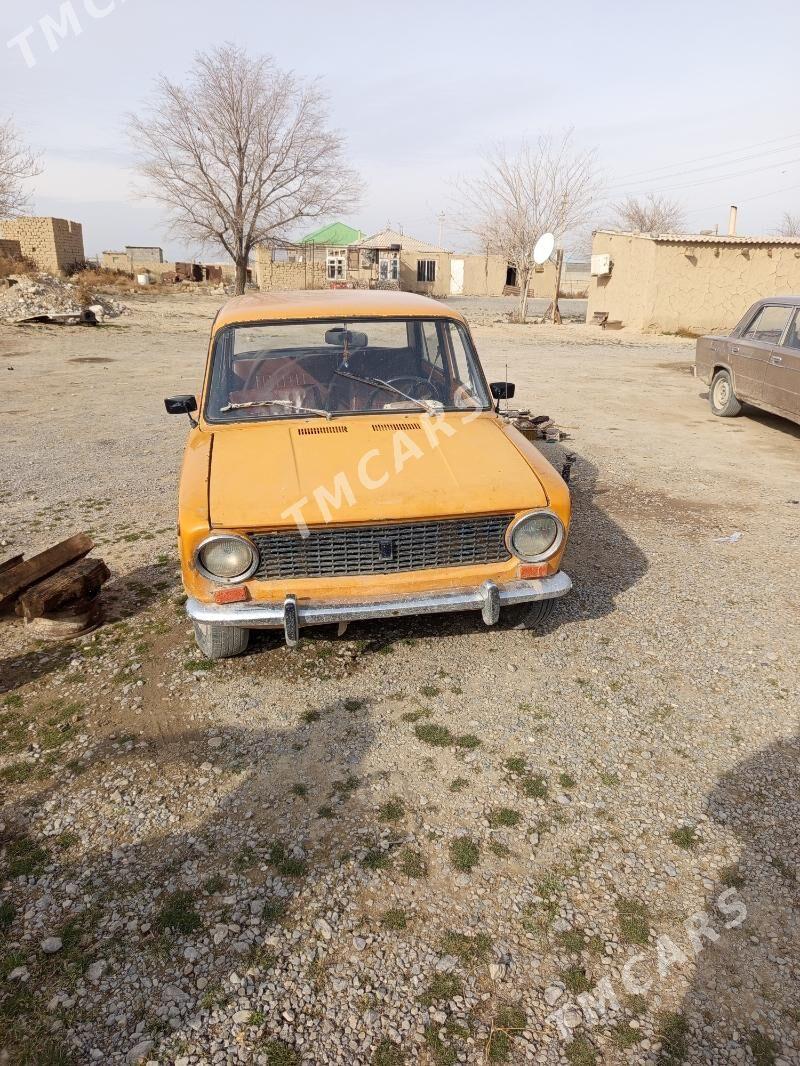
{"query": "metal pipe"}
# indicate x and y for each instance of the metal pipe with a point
(732, 221)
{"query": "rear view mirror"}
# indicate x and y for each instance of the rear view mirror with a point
(180, 405)
(502, 390)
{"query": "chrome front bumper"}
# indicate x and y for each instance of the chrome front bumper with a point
(292, 613)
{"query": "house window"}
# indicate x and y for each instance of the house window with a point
(336, 260)
(426, 270)
(389, 267)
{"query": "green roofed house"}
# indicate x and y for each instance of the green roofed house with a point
(335, 239)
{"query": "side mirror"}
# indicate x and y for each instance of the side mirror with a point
(502, 390)
(182, 405)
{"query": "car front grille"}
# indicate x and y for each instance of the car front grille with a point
(382, 549)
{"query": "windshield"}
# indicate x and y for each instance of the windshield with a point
(324, 369)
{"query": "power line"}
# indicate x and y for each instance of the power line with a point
(704, 158)
(709, 166)
(744, 200)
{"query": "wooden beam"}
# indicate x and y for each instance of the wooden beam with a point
(11, 561)
(71, 585)
(17, 578)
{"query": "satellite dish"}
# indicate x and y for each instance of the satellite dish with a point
(543, 248)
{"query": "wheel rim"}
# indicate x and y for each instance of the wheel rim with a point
(722, 392)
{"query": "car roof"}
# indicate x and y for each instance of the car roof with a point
(786, 301)
(330, 303)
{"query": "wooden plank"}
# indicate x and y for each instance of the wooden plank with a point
(11, 561)
(17, 578)
(71, 585)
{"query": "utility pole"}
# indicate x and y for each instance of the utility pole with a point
(559, 265)
(441, 216)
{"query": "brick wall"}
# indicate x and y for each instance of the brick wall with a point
(53, 244)
(281, 277)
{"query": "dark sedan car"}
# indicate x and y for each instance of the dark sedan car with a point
(758, 363)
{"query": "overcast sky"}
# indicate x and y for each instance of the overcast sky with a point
(694, 99)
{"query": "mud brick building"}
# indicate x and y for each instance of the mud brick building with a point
(53, 244)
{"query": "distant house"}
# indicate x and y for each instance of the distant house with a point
(335, 240)
(393, 260)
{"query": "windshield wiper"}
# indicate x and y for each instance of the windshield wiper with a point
(287, 405)
(384, 385)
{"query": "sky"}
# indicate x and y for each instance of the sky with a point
(694, 100)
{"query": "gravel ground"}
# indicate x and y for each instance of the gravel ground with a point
(280, 859)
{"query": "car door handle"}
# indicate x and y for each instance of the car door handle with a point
(735, 348)
(776, 360)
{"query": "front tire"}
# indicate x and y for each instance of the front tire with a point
(526, 615)
(220, 642)
(721, 396)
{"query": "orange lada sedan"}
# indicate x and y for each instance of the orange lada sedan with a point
(348, 462)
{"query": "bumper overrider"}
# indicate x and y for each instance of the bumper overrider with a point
(290, 614)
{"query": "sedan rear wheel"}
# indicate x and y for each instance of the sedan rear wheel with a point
(220, 642)
(722, 397)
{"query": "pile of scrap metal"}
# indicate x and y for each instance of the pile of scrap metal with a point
(57, 592)
(534, 427)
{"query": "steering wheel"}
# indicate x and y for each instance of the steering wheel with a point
(416, 387)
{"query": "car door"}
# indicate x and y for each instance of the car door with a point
(749, 353)
(782, 378)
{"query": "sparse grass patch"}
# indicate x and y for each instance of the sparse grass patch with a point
(441, 1054)
(299, 789)
(504, 817)
(7, 913)
(279, 1054)
(470, 949)
(764, 1049)
(414, 716)
(580, 1052)
(412, 863)
(354, 704)
(464, 853)
(17, 773)
(429, 691)
(685, 836)
(573, 940)
(375, 859)
(14, 699)
(607, 778)
(534, 786)
(346, 786)
(286, 865)
(25, 857)
(516, 764)
(634, 920)
(392, 810)
(325, 811)
(214, 884)
(468, 741)
(576, 980)
(261, 957)
(310, 716)
(394, 918)
(498, 849)
(443, 986)
(673, 1031)
(458, 784)
(178, 912)
(388, 1054)
(438, 736)
(566, 781)
(625, 1036)
(509, 1019)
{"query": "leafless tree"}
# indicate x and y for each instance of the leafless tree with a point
(17, 165)
(241, 153)
(649, 214)
(547, 186)
(790, 225)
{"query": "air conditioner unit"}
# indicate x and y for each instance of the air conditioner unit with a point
(600, 266)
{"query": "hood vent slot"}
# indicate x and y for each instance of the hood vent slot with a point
(314, 431)
(380, 427)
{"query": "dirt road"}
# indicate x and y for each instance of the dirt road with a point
(275, 860)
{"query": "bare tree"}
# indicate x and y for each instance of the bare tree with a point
(790, 225)
(241, 153)
(17, 165)
(546, 186)
(649, 214)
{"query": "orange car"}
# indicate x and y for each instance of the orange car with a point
(348, 462)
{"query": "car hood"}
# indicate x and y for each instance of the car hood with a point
(365, 470)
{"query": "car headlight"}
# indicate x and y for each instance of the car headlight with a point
(225, 557)
(536, 536)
